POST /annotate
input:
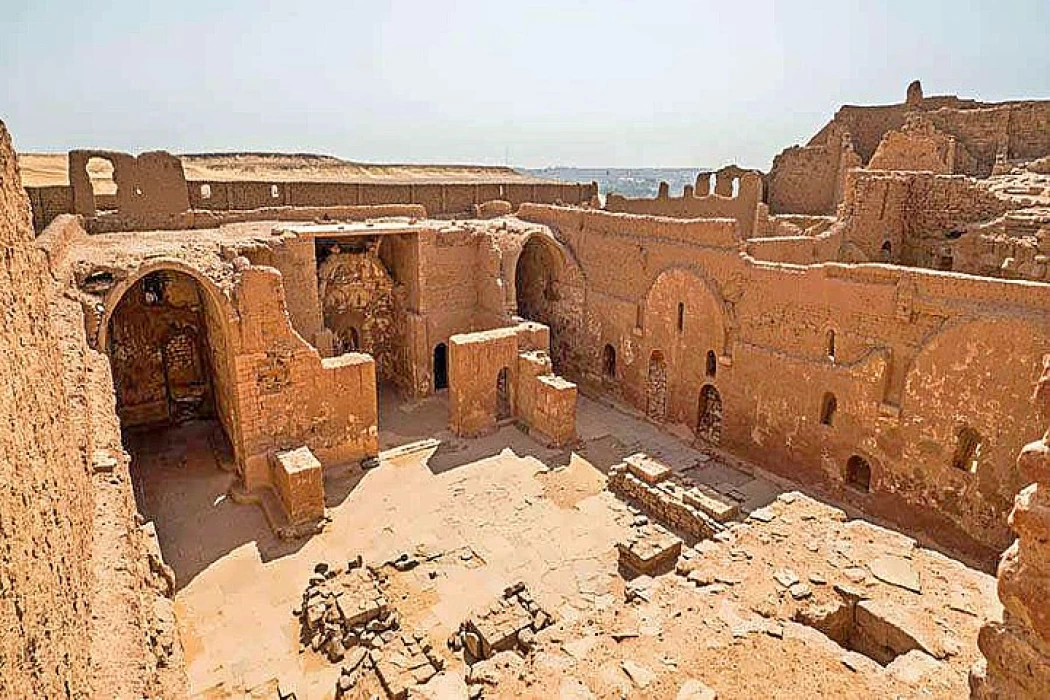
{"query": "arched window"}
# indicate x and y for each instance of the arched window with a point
(858, 473)
(827, 409)
(609, 362)
(711, 367)
(887, 251)
(681, 317)
(967, 449)
(830, 344)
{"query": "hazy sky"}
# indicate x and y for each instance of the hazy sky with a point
(538, 82)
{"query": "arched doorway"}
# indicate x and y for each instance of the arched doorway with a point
(160, 352)
(166, 335)
(609, 362)
(536, 292)
(858, 474)
(534, 281)
(502, 394)
(656, 388)
(440, 367)
(709, 415)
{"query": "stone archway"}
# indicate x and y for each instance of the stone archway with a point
(535, 275)
(656, 388)
(709, 415)
(158, 338)
(166, 333)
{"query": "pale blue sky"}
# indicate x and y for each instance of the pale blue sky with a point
(568, 82)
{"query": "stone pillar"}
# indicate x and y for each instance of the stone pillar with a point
(1017, 650)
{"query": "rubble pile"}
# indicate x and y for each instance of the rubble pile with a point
(510, 623)
(346, 617)
(405, 660)
(345, 608)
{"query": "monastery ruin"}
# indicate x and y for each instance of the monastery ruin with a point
(285, 426)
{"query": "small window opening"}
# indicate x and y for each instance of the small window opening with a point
(681, 317)
(274, 191)
(887, 251)
(609, 362)
(205, 191)
(967, 449)
(858, 473)
(954, 235)
(945, 260)
(153, 289)
(736, 186)
(830, 345)
(503, 394)
(711, 367)
(828, 406)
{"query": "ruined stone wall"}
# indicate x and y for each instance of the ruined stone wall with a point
(919, 215)
(916, 356)
(288, 396)
(475, 362)
(544, 402)
(439, 199)
(357, 300)
(296, 259)
(447, 294)
(803, 179)
(152, 188)
(809, 179)
(46, 508)
(918, 145)
(696, 203)
(78, 611)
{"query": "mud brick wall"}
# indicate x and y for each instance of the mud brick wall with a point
(544, 401)
(475, 360)
(287, 394)
(662, 502)
(918, 355)
(46, 503)
(299, 482)
(692, 205)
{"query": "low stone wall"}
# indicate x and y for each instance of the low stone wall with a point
(664, 501)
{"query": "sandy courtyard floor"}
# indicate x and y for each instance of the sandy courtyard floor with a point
(483, 514)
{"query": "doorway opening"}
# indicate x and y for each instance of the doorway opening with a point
(709, 415)
(502, 395)
(656, 388)
(440, 367)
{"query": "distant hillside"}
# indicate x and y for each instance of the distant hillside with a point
(44, 169)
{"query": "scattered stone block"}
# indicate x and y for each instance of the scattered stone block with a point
(651, 550)
(896, 571)
(649, 470)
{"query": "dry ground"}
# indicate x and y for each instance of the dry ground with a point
(48, 169)
(489, 512)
